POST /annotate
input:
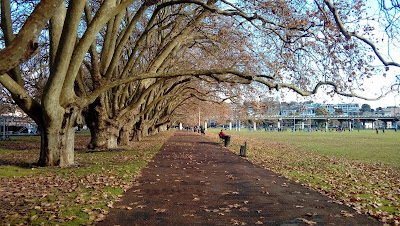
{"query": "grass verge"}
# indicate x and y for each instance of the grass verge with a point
(80, 195)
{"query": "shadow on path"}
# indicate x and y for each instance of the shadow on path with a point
(195, 181)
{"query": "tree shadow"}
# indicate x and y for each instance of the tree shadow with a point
(25, 165)
(19, 146)
(209, 143)
(89, 151)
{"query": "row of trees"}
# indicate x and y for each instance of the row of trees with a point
(128, 67)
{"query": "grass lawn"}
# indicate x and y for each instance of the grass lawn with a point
(358, 169)
(78, 195)
(366, 145)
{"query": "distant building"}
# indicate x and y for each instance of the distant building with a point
(308, 109)
(349, 109)
(390, 111)
(13, 121)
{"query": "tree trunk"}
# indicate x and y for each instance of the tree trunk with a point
(98, 136)
(112, 135)
(125, 134)
(104, 135)
(57, 141)
(153, 130)
(144, 130)
(104, 131)
(93, 118)
(137, 131)
(163, 128)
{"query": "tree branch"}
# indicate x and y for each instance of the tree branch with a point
(24, 45)
(336, 89)
(24, 101)
(349, 34)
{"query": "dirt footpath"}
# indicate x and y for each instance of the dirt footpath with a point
(195, 181)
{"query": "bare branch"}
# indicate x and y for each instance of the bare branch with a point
(349, 34)
(24, 45)
(336, 89)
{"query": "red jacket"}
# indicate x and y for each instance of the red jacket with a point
(222, 134)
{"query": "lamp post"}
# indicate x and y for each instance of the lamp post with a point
(294, 123)
(4, 128)
(199, 118)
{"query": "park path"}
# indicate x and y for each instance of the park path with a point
(194, 181)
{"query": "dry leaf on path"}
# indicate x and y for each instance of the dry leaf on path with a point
(307, 221)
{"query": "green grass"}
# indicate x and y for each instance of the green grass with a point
(78, 195)
(366, 145)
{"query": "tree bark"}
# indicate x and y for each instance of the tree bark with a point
(103, 136)
(103, 130)
(57, 140)
(96, 122)
(137, 131)
(125, 134)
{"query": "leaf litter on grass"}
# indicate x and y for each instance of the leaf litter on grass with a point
(76, 195)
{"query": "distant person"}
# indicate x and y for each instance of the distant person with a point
(202, 130)
(377, 131)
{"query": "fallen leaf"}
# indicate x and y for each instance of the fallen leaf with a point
(160, 210)
(307, 221)
(311, 214)
(34, 217)
(346, 214)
